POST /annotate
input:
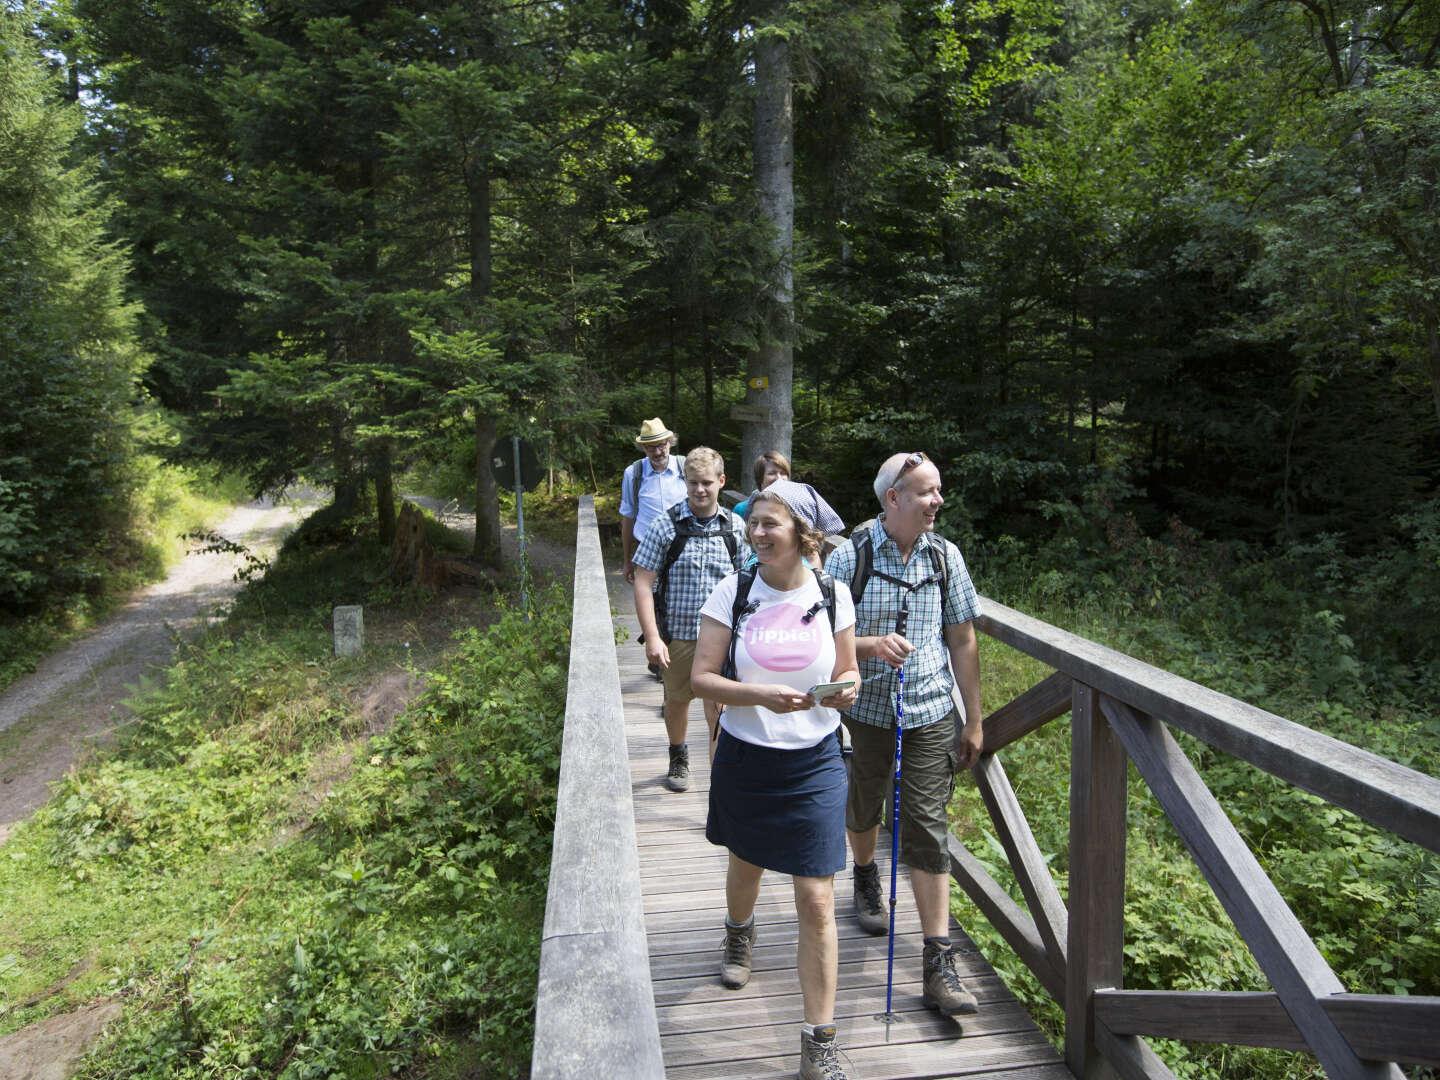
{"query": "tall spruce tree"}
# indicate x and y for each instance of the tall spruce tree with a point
(68, 356)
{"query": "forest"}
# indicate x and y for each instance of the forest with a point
(1156, 283)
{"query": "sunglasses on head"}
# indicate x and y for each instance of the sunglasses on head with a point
(911, 462)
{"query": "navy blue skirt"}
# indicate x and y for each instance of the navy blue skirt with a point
(780, 809)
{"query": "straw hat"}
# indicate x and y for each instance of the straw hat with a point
(653, 431)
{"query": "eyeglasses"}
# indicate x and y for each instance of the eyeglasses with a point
(911, 462)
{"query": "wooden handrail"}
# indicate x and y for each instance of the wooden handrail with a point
(1397, 799)
(595, 1006)
(1119, 712)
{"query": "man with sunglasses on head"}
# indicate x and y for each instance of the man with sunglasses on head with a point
(915, 607)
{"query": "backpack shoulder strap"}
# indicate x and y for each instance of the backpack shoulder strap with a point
(938, 561)
(727, 533)
(684, 529)
(827, 593)
(639, 478)
(739, 608)
(864, 560)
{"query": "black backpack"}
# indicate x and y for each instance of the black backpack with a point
(743, 607)
(865, 570)
(685, 528)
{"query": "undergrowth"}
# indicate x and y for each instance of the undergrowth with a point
(1344, 644)
(274, 891)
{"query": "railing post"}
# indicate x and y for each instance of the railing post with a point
(1097, 877)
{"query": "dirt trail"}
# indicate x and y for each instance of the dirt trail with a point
(74, 697)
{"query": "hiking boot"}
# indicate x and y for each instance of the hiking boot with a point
(678, 778)
(819, 1056)
(868, 906)
(735, 964)
(944, 991)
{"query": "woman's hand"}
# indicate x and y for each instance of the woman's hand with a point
(781, 699)
(845, 698)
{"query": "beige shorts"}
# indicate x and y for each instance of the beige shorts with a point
(676, 677)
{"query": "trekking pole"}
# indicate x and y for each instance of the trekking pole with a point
(890, 1016)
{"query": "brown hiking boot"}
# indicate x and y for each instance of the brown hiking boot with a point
(819, 1056)
(735, 964)
(869, 908)
(678, 778)
(944, 991)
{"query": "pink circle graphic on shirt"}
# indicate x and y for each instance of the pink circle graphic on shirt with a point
(778, 640)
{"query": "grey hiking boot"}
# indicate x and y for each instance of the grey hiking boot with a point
(678, 779)
(735, 964)
(944, 991)
(869, 909)
(819, 1056)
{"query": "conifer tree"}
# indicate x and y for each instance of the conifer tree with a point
(68, 357)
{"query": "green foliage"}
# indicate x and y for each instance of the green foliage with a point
(68, 356)
(387, 924)
(1340, 643)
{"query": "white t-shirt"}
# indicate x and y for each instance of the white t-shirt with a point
(777, 646)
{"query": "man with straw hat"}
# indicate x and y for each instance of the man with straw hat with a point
(651, 486)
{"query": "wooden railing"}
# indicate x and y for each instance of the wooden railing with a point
(1121, 711)
(595, 1007)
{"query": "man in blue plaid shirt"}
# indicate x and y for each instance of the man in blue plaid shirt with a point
(702, 563)
(916, 611)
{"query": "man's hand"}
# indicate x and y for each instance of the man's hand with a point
(970, 744)
(892, 648)
(629, 572)
(656, 651)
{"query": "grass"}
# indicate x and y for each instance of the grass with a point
(275, 889)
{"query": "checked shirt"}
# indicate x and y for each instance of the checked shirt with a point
(702, 564)
(927, 670)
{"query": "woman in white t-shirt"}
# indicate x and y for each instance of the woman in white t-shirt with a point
(777, 782)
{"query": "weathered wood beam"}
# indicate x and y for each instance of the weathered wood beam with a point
(1026, 860)
(1401, 800)
(1279, 943)
(1130, 1055)
(594, 1006)
(1033, 709)
(1013, 924)
(1380, 1027)
(1096, 936)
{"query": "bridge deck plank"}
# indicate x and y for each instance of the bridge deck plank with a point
(749, 1034)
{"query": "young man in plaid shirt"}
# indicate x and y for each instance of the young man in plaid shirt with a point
(917, 610)
(705, 559)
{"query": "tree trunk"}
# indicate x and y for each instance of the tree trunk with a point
(1431, 320)
(487, 499)
(487, 494)
(775, 186)
(385, 495)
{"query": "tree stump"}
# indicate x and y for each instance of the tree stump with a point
(412, 556)
(413, 560)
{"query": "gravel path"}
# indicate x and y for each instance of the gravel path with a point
(74, 697)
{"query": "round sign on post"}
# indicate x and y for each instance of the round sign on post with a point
(502, 464)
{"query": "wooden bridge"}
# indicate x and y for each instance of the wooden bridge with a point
(629, 984)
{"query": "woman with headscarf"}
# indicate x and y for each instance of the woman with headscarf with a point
(769, 635)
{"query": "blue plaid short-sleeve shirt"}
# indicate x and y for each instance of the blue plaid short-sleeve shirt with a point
(703, 562)
(927, 671)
